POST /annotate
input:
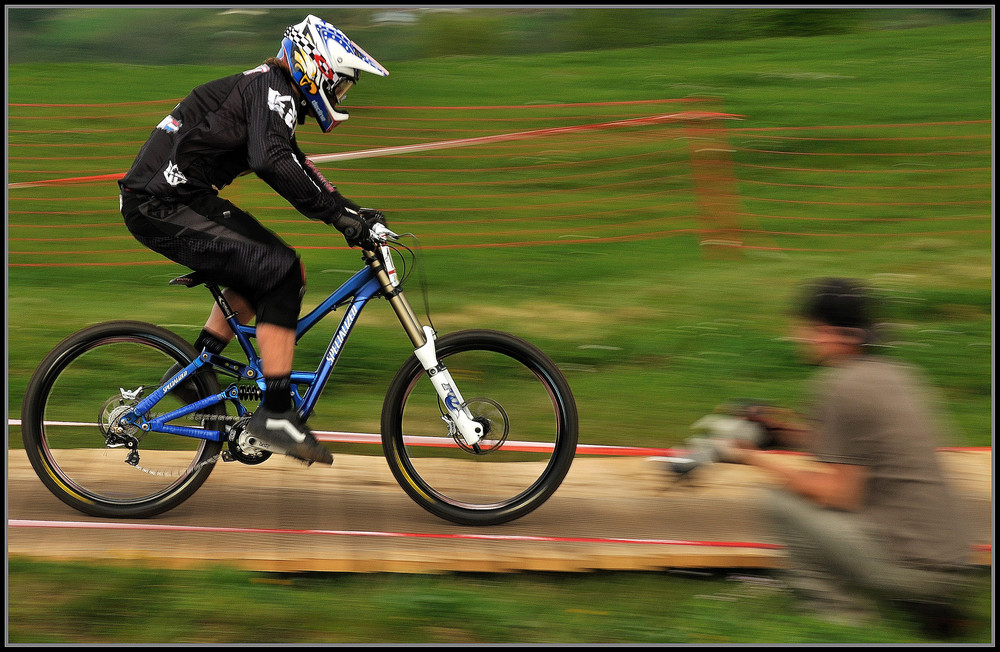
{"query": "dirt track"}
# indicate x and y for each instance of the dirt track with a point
(616, 513)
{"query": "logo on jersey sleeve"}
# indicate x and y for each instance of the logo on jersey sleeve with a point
(283, 106)
(261, 68)
(173, 174)
(170, 124)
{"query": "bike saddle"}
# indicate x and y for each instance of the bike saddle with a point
(191, 279)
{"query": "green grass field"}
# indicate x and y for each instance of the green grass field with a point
(52, 603)
(588, 244)
(606, 272)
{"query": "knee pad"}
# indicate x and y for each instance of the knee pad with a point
(281, 304)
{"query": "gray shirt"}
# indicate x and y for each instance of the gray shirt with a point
(875, 413)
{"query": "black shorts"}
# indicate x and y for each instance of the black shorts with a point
(212, 236)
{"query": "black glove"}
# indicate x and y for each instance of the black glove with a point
(355, 222)
(372, 216)
(348, 221)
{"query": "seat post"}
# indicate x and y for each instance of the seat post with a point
(220, 299)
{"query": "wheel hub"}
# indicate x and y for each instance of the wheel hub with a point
(113, 425)
(492, 417)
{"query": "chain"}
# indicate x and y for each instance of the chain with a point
(132, 459)
(203, 417)
(172, 473)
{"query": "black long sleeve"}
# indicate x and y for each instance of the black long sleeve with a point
(227, 127)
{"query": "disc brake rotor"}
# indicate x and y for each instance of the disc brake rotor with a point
(493, 418)
(109, 421)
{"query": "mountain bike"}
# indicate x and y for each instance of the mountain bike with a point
(479, 427)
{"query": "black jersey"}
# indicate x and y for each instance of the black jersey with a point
(228, 127)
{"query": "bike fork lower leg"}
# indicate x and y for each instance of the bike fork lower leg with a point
(423, 339)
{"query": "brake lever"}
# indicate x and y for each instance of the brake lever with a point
(383, 232)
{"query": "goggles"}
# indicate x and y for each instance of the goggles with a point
(336, 89)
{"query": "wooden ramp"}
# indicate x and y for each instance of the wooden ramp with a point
(612, 513)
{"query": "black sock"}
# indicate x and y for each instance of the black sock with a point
(278, 394)
(208, 341)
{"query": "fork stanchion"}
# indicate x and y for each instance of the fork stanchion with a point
(404, 312)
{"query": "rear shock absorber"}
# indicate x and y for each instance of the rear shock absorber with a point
(249, 393)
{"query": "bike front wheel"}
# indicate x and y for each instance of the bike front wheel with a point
(528, 412)
(82, 387)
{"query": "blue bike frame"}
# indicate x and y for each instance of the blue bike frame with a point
(377, 277)
(356, 292)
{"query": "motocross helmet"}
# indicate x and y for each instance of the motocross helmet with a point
(324, 64)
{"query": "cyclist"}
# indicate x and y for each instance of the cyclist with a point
(228, 127)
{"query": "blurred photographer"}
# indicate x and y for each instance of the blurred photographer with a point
(876, 521)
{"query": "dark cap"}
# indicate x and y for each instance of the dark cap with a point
(841, 302)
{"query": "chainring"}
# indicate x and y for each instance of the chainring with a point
(240, 449)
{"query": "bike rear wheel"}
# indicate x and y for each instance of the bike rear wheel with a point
(527, 408)
(81, 387)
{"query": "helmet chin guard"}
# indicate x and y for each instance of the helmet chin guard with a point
(325, 64)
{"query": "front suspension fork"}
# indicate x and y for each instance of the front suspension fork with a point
(423, 338)
(444, 385)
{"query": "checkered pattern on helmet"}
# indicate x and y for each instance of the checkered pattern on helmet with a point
(303, 42)
(300, 40)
